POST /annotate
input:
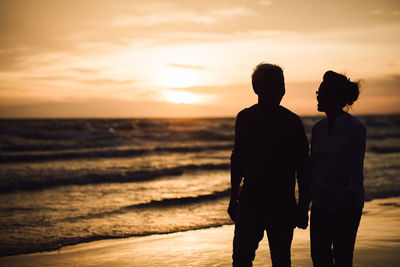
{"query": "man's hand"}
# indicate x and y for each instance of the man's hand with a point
(302, 219)
(232, 209)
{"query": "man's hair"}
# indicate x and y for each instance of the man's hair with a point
(267, 79)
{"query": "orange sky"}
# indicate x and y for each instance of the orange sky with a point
(190, 58)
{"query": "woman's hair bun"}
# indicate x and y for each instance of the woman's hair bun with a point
(347, 90)
(352, 92)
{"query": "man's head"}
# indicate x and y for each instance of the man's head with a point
(268, 83)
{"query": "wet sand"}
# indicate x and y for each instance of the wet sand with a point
(378, 244)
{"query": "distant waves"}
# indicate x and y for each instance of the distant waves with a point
(106, 153)
(43, 182)
(163, 203)
(65, 182)
(123, 153)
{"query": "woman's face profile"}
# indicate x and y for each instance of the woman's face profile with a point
(322, 98)
(327, 99)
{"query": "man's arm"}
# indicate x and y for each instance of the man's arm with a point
(303, 178)
(236, 169)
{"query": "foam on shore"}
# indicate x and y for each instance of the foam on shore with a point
(378, 244)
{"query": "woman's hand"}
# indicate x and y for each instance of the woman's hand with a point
(232, 209)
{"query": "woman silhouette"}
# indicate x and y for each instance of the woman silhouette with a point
(337, 157)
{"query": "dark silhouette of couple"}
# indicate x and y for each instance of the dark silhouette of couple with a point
(271, 153)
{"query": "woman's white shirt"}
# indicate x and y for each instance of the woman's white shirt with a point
(337, 159)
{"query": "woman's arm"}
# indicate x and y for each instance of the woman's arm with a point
(356, 152)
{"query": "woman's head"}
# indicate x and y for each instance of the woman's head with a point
(336, 92)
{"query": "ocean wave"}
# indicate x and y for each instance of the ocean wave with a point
(392, 204)
(168, 202)
(186, 149)
(189, 200)
(35, 157)
(34, 183)
(384, 150)
(57, 244)
(51, 244)
(114, 153)
(17, 209)
(162, 203)
(57, 146)
(382, 136)
(209, 135)
(60, 135)
(383, 193)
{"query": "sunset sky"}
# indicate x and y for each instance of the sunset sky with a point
(190, 58)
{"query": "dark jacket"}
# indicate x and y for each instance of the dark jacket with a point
(270, 149)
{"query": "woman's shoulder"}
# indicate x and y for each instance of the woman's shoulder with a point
(354, 123)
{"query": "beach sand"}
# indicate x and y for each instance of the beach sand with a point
(378, 244)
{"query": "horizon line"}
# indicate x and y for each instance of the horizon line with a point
(173, 117)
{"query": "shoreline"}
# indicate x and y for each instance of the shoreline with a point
(378, 244)
(99, 239)
(117, 238)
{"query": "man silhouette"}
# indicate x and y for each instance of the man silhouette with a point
(270, 152)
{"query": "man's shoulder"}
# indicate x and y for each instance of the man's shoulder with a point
(246, 111)
(288, 114)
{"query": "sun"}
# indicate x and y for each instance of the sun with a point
(182, 97)
(178, 78)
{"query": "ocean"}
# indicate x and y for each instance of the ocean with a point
(69, 181)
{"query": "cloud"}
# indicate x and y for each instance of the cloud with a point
(85, 70)
(265, 3)
(169, 17)
(48, 78)
(387, 85)
(39, 27)
(55, 49)
(75, 79)
(108, 82)
(12, 58)
(378, 95)
(173, 12)
(377, 12)
(184, 66)
(385, 12)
